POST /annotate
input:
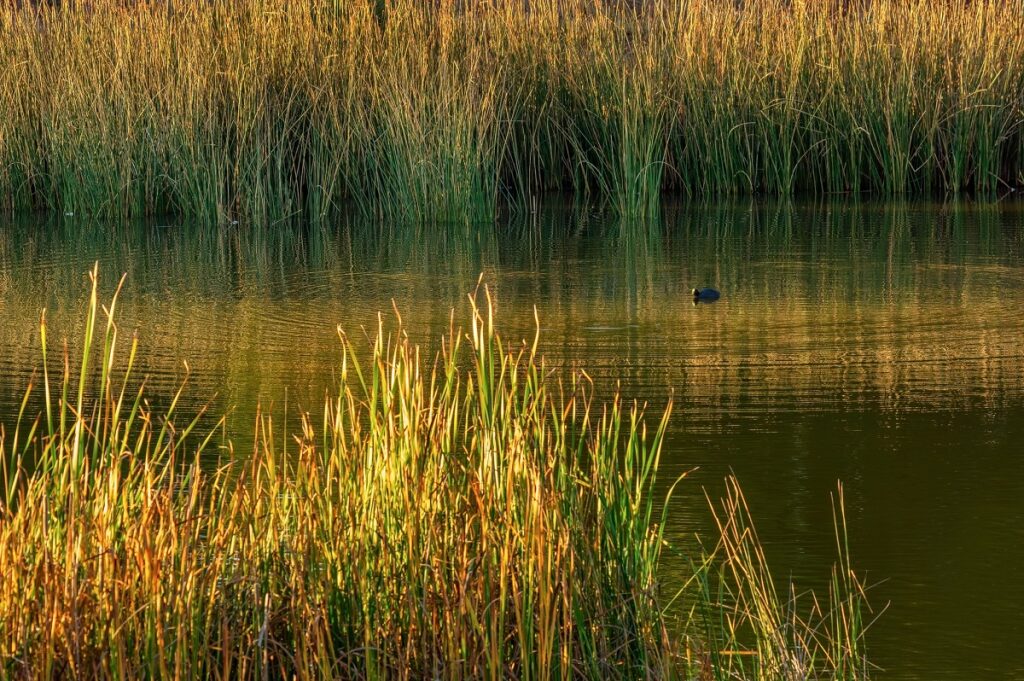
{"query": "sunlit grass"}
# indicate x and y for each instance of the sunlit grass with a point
(466, 517)
(264, 110)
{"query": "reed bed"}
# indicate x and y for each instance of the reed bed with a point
(468, 517)
(266, 109)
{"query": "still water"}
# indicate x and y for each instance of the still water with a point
(877, 344)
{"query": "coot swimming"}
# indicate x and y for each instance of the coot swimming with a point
(706, 294)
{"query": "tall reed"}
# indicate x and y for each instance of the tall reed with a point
(751, 631)
(263, 109)
(462, 517)
(459, 518)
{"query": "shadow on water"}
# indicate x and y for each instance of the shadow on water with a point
(877, 343)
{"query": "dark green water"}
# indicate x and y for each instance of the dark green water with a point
(877, 344)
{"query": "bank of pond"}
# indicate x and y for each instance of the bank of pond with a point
(264, 110)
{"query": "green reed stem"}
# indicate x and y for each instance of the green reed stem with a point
(466, 516)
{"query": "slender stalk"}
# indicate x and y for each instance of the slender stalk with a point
(461, 517)
(418, 113)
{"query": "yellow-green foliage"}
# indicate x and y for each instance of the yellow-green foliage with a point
(467, 517)
(265, 109)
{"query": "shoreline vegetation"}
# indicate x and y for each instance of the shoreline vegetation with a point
(266, 110)
(468, 516)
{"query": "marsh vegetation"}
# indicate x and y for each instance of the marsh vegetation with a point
(460, 508)
(461, 517)
(266, 109)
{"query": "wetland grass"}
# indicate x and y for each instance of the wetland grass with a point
(466, 517)
(265, 109)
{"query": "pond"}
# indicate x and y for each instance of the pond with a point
(880, 344)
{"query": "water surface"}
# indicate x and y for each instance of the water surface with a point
(877, 344)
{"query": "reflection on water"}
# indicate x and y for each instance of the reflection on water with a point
(880, 344)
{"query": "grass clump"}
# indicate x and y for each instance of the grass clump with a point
(749, 630)
(462, 518)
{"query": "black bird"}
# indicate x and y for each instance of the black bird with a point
(706, 294)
